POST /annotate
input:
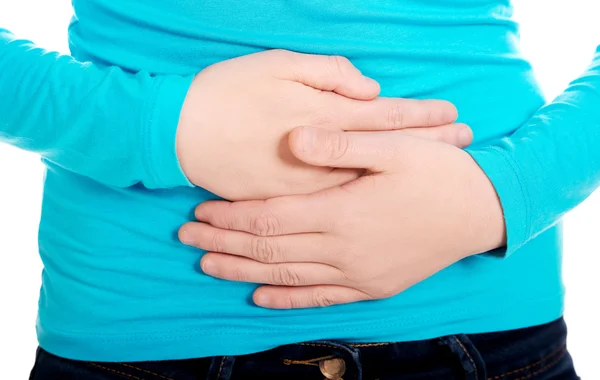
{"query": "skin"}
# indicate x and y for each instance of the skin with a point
(237, 116)
(421, 206)
(343, 209)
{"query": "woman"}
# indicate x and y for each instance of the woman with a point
(119, 288)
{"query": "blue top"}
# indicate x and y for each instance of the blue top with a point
(117, 284)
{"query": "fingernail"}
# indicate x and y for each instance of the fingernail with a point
(371, 81)
(465, 135)
(308, 140)
(262, 299)
(208, 267)
(185, 237)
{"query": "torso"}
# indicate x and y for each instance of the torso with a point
(119, 286)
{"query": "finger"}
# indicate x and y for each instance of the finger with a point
(241, 269)
(328, 73)
(281, 297)
(268, 250)
(276, 216)
(388, 114)
(366, 150)
(459, 135)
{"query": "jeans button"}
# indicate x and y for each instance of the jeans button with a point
(333, 369)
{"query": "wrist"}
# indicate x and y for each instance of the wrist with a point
(505, 175)
(486, 216)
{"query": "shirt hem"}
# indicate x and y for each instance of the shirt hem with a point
(211, 341)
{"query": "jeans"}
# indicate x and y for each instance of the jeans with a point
(535, 353)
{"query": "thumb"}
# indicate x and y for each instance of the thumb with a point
(367, 150)
(364, 150)
(330, 73)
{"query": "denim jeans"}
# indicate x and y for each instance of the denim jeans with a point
(535, 353)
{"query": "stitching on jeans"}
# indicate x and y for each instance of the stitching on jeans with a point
(115, 371)
(370, 344)
(290, 362)
(545, 368)
(221, 367)
(555, 352)
(146, 371)
(318, 345)
(307, 362)
(468, 356)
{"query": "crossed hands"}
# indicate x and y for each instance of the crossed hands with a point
(352, 197)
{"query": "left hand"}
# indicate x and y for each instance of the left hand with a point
(422, 206)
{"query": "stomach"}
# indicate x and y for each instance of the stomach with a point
(117, 284)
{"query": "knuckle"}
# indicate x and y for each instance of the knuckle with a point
(218, 242)
(338, 64)
(290, 302)
(286, 276)
(265, 224)
(238, 274)
(429, 117)
(322, 299)
(396, 117)
(229, 218)
(285, 63)
(264, 250)
(337, 145)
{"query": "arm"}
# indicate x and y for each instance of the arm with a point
(121, 129)
(551, 163)
(114, 127)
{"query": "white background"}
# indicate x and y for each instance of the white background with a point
(559, 37)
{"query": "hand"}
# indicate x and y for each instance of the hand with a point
(234, 125)
(423, 206)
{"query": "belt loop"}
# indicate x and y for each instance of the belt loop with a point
(469, 356)
(221, 368)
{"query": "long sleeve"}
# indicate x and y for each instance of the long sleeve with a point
(551, 163)
(115, 127)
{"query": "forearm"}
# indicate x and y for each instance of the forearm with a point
(551, 163)
(112, 126)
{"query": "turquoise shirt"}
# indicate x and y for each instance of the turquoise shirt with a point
(119, 286)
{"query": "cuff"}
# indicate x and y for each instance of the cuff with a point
(161, 121)
(506, 179)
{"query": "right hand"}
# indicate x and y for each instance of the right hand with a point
(233, 132)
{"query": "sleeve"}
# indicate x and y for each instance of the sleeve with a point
(112, 126)
(550, 164)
